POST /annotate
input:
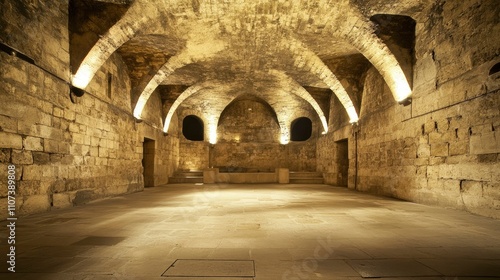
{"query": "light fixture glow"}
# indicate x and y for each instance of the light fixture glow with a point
(139, 107)
(167, 123)
(353, 116)
(82, 77)
(212, 134)
(400, 87)
(325, 124)
(284, 139)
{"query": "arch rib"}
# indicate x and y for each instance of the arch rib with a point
(124, 30)
(306, 59)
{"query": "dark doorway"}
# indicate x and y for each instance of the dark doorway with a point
(342, 162)
(301, 129)
(148, 162)
(192, 128)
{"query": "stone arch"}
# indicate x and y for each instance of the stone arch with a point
(297, 89)
(138, 17)
(361, 34)
(195, 51)
(307, 60)
(184, 95)
(258, 118)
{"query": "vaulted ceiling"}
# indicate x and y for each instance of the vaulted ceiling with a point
(285, 52)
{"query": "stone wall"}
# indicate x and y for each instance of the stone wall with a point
(68, 153)
(443, 149)
(248, 138)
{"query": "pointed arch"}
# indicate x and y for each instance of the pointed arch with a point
(298, 90)
(307, 60)
(125, 29)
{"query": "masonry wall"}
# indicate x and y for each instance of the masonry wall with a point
(248, 137)
(443, 149)
(67, 153)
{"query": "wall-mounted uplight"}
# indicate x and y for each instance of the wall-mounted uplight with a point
(75, 92)
(405, 102)
(78, 92)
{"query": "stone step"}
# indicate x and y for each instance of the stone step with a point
(306, 181)
(180, 180)
(185, 176)
(305, 174)
(304, 177)
(188, 174)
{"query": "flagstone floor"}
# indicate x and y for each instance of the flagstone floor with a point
(261, 232)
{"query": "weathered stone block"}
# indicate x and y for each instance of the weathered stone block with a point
(50, 146)
(84, 196)
(74, 127)
(459, 148)
(440, 149)
(5, 155)
(29, 187)
(94, 151)
(22, 157)
(103, 152)
(64, 148)
(8, 124)
(58, 112)
(34, 204)
(472, 192)
(33, 172)
(61, 200)
(69, 115)
(33, 143)
(485, 143)
(436, 137)
(9, 140)
(44, 131)
(423, 151)
(55, 158)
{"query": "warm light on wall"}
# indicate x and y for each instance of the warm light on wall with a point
(285, 135)
(212, 133)
(324, 123)
(284, 139)
(168, 119)
(400, 88)
(353, 116)
(82, 77)
(139, 107)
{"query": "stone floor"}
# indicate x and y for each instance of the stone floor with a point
(275, 232)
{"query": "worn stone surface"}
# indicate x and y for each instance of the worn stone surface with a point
(310, 232)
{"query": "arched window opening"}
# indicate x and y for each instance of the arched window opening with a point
(192, 128)
(301, 129)
(495, 69)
